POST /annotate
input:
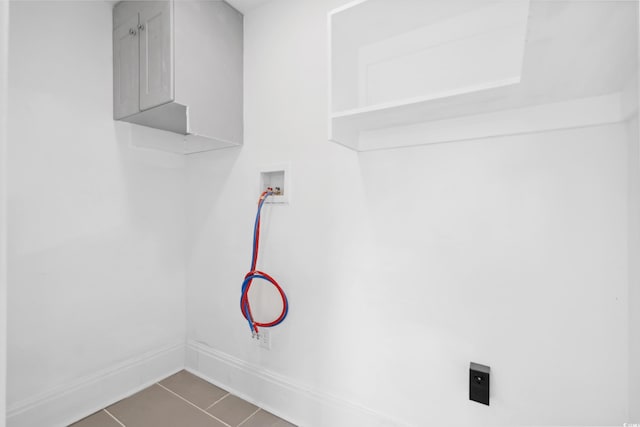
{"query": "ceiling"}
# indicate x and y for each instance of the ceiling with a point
(243, 6)
(246, 5)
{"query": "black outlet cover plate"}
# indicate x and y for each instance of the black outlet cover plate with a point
(479, 383)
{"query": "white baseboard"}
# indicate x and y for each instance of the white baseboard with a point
(278, 394)
(70, 402)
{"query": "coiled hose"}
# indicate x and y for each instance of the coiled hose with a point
(245, 305)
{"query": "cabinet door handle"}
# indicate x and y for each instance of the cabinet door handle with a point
(132, 31)
(141, 27)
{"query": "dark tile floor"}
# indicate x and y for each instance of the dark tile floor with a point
(182, 400)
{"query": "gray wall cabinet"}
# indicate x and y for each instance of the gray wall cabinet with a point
(178, 66)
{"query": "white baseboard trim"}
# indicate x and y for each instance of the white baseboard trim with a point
(70, 402)
(280, 395)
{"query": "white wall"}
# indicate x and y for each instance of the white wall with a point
(634, 245)
(4, 40)
(96, 226)
(634, 253)
(634, 270)
(403, 266)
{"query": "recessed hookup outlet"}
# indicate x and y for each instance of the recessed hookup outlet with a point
(277, 179)
(479, 383)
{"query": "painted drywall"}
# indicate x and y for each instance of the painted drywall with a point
(4, 40)
(96, 225)
(633, 92)
(403, 266)
(634, 253)
(634, 270)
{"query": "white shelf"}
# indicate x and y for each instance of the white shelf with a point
(403, 64)
(346, 126)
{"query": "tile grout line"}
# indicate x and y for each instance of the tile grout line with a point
(198, 408)
(112, 416)
(247, 419)
(217, 401)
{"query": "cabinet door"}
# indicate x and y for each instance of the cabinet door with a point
(126, 69)
(156, 54)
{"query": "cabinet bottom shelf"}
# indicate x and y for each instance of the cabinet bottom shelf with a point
(166, 128)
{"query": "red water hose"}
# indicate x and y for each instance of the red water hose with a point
(245, 304)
